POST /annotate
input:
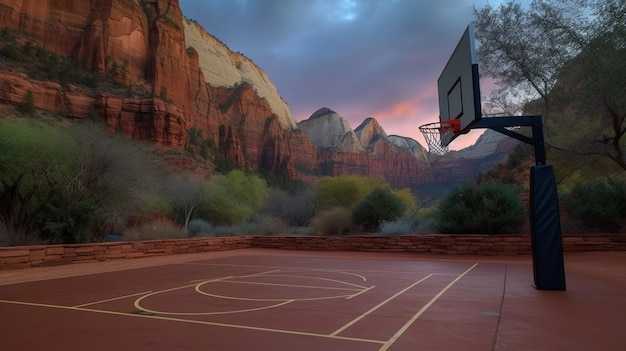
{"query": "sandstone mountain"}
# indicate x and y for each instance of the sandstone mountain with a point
(328, 130)
(177, 79)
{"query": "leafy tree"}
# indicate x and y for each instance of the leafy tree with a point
(234, 197)
(33, 163)
(489, 208)
(60, 182)
(591, 91)
(379, 206)
(575, 46)
(525, 50)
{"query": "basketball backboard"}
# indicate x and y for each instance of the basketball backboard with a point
(458, 86)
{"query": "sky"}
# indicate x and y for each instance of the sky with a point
(360, 58)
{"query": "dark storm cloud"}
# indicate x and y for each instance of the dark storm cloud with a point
(364, 58)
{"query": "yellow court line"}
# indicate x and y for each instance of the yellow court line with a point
(406, 326)
(319, 278)
(236, 326)
(356, 288)
(347, 325)
(138, 306)
(112, 299)
(361, 292)
(316, 269)
(214, 313)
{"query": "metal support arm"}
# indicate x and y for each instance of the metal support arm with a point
(499, 124)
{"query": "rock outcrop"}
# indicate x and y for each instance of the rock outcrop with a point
(193, 82)
(328, 130)
(149, 45)
(223, 68)
(368, 151)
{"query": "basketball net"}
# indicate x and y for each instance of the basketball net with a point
(439, 134)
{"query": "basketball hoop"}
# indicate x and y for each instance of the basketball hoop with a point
(439, 134)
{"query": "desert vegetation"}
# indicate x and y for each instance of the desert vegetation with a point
(77, 183)
(64, 182)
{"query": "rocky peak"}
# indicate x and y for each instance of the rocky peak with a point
(328, 130)
(411, 145)
(488, 144)
(369, 130)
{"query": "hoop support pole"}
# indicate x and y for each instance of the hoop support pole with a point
(545, 230)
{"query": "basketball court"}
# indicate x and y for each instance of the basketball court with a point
(298, 300)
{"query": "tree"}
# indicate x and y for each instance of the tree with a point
(568, 43)
(58, 183)
(33, 164)
(592, 88)
(186, 197)
(525, 50)
(380, 205)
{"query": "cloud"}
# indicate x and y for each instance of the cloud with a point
(363, 58)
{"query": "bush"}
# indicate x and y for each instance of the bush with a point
(335, 221)
(233, 198)
(198, 227)
(380, 205)
(296, 209)
(64, 221)
(600, 203)
(344, 191)
(157, 229)
(489, 208)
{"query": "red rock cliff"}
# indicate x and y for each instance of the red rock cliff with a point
(194, 82)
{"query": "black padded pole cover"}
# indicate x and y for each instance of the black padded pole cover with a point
(545, 230)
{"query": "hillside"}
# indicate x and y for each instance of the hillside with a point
(150, 74)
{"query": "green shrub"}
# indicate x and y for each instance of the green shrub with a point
(489, 208)
(600, 203)
(380, 205)
(233, 198)
(344, 191)
(64, 221)
(335, 221)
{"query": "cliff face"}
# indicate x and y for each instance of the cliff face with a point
(194, 82)
(149, 45)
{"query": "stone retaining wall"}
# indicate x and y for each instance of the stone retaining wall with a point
(53, 255)
(489, 245)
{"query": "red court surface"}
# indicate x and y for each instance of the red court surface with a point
(255, 299)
